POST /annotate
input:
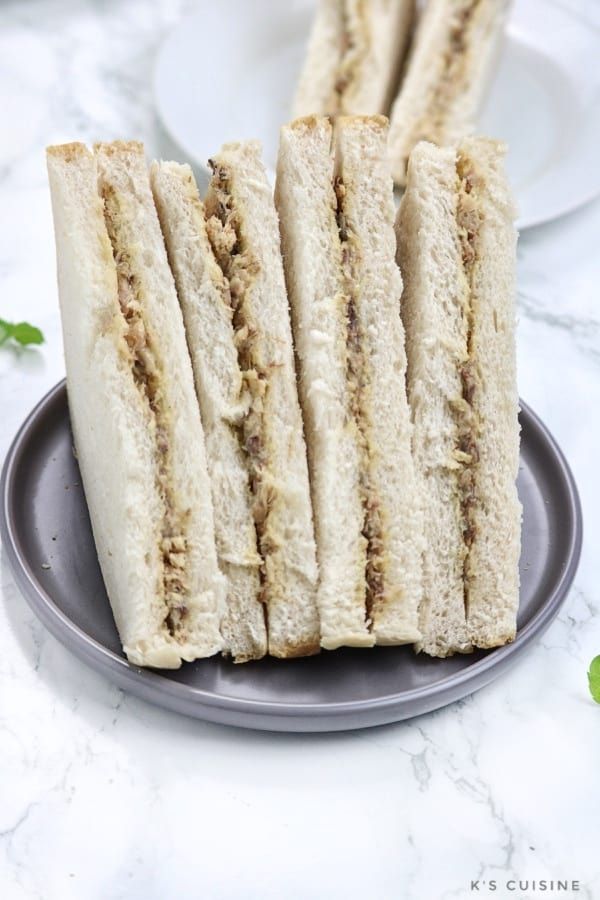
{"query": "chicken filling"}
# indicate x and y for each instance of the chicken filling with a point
(146, 375)
(357, 379)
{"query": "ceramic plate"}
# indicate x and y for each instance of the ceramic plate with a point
(46, 533)
(229, 72)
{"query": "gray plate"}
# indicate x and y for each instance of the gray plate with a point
(44, 522)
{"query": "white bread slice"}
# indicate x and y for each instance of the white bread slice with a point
(394, 514)
(436, 342)
(243, 230)
(354, 55)
(312, 254)
(206, 304)
(447, 73)
(458, 310)
(492, 570)
(113, 425)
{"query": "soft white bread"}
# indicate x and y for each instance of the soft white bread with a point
(312, 253)
(206, 304)
(456, 248)
(337, 222)
(447, 74)
(394, 523)
(243, 230)
(114, 426)
(436, 343)
(492, 569)
(354, 56)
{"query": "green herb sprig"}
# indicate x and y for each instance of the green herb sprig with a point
(21, 333)
(594, 678)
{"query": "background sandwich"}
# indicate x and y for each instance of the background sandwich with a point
(354, 57)
(335, 201)
(456, 242)
(448, 71)
(135, 418)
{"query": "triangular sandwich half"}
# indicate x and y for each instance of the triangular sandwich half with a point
(135, 418)
(335, 201)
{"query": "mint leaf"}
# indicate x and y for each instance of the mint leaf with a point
(24, 334)
(21, 332)
(594, 678)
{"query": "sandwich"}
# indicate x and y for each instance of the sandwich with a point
(205, 299)
(135, 418)
(447, 73)
(354, 56)
(456, 250)
(226, 259)
(334, 195)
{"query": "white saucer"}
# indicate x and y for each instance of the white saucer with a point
(229, 72)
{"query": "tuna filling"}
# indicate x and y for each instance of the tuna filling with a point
(146, 374)
(240, 269)
(357, 379)
(468, 219)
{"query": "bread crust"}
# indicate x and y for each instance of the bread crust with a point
(119, 149)
(68, 152)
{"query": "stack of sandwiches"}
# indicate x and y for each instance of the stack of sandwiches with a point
(429, 73)
(295, 416)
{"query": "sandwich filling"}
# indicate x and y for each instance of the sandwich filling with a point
(354, 47)
(468, 219)
(240, 268)
(146, 371)
(358, 382)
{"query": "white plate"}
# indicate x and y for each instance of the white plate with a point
(229, 72)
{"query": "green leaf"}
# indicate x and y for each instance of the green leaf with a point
(594, 678)
(23, 333)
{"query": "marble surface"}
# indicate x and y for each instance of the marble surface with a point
(103, 796)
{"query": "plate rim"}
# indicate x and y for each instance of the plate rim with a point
(514, 31)
(209, 705)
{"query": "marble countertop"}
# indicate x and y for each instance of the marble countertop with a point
(103, 796)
